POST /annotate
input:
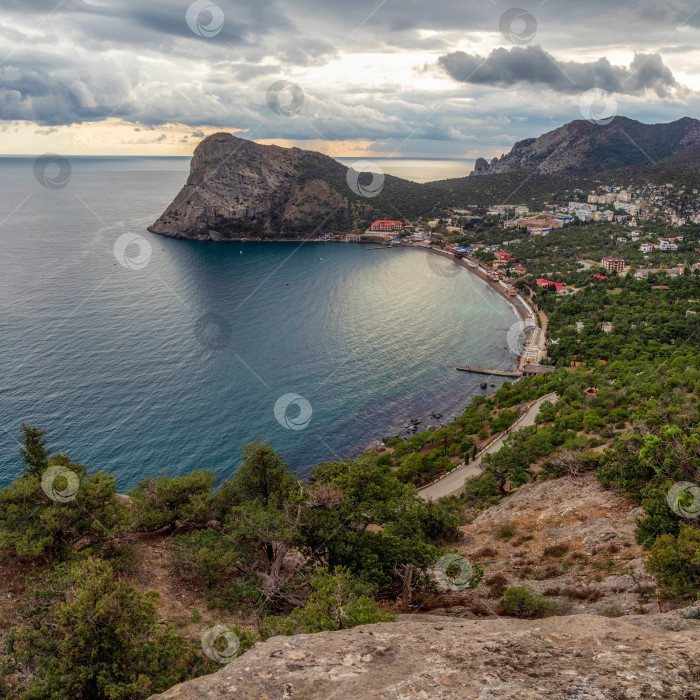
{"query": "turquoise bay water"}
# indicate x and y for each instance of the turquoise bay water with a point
(113, 362)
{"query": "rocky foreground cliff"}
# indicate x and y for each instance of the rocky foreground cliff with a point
(568, 658)
(241, 189)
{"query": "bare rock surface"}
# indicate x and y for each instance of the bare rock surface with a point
(584, 657)
(583, 147)
(570, 540)
(238, 188)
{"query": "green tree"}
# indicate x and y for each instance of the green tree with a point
(508, 465)
(164, 502)
(100, 640)
(547, 412)
(263, 475)
(52, 516)
(339, 601)
(205, 557)
(33, 450)
(676, 561)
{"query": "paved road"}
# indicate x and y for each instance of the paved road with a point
(454, 481)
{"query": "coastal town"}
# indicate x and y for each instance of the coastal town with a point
(649, 233)
(645, 227)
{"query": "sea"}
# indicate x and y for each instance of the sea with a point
(416, 169)
(169, 356)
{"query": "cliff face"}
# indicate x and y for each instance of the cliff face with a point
(584, 148)
(583, 658)
(239, 188)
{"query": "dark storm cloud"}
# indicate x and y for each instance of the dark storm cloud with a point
(80, 60)
(533, 66)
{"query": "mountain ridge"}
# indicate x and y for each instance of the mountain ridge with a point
(240, 189)
(582, 147)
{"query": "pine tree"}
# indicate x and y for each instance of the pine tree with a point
(34, 451)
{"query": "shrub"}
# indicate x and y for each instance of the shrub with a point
(556, 550)
(99, 638)
(505, 532)
(522, 602)
(505, 419)
(32, 523)
(205, 557)
(339, 601)
(497, 583)
(674, 560)
(480, 492)
(163, 502)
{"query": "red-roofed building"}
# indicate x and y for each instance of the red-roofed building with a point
(548, 284)
(599, 277)
(383, 225)
(503, 256)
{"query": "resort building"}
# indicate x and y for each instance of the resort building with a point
(383, 225)
(611, 264)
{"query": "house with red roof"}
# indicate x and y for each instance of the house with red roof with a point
(548, 284)
(384, 225)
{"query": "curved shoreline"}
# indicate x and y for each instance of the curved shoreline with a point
(523, 310)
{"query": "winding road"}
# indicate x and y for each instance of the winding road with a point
(453, 482)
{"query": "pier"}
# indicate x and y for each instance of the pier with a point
(495, 372)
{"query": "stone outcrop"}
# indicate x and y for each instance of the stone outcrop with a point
(584, 657)
(583, 147)
(238, 188)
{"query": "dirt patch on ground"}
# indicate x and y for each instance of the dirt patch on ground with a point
(570, 540)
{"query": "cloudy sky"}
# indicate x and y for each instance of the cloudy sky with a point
(410, 78)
